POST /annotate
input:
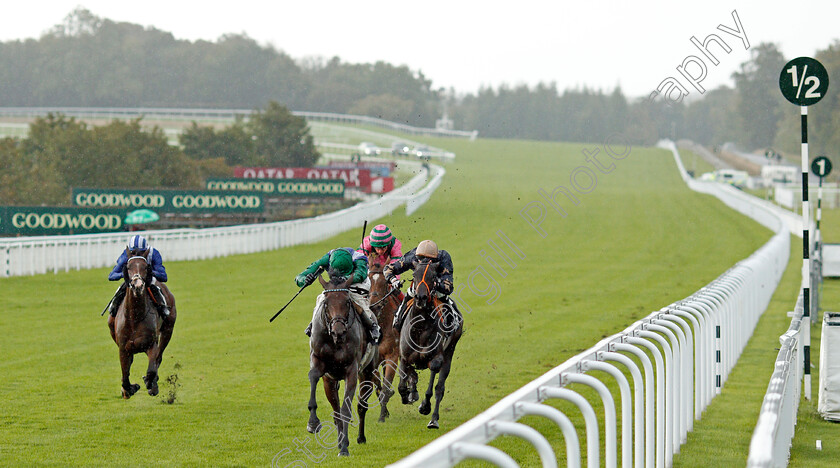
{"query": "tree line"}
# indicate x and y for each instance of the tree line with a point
(90, 61)
(60, 153)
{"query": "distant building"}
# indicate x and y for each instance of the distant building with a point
(779, 174)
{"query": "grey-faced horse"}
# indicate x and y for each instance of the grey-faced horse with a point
(339, 350)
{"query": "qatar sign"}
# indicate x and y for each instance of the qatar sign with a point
(353, 177)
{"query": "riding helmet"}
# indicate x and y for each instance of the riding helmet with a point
(381, 236)
(137, 244)
(341, 261)
(427, 249)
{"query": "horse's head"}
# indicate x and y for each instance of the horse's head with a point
(378, 284)
(138, 274)
(424, 281)
(337, 306)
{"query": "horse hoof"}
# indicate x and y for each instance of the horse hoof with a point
(414, 396)
(153, 391)
(433, 424)
(313, 428)
(151, 382)
(361, 440)
(344, 453)
(424, 408)
(131, 390)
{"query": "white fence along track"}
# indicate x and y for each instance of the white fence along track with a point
(677, 358)
(21, 256)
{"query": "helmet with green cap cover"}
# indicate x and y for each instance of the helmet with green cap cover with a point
(341, 261)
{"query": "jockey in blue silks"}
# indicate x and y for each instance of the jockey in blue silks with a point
(138, 247)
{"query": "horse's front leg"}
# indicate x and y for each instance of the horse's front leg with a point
(314, 424)
(440, 389)
(128, 388)
(426, 405)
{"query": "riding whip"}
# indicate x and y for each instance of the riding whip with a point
(364, 231)
(107, 307)
(317, 272)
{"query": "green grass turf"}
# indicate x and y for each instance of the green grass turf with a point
(637, 241)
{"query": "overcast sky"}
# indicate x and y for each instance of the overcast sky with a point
(469, 44)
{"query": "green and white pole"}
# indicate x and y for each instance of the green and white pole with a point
(804, 81)
(806, 257)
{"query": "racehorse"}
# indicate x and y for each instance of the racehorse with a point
(384, 302)
(339, 350)
(430, 331)
(137, 328)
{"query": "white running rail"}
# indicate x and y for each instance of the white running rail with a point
(683, 355)
(21, 256)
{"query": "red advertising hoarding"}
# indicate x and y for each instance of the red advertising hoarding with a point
(355, 178)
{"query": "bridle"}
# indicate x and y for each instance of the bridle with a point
(129, 280)
(346, 321)
(136, 275)
(423, 277)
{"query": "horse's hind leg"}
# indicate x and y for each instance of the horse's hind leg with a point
(408, 384)
(128, 389)
(350, 380)
(111, 325)
(151, 377)
(331, 390)
(166, 329)
(365, 390)
(387, 385)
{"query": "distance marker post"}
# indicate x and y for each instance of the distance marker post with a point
(804, 81)
(821, 167)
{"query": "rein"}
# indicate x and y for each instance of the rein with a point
(386, 296)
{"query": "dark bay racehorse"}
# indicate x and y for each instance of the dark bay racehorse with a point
(430, 331)
(384, 302)
(138, 328)
(339, 350)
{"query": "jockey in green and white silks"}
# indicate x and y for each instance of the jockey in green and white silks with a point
(347, 263)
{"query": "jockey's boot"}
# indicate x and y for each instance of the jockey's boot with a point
(160, 301)
(118, 298)
(308, 331)
(457, 316)
(398, 315)
(371, 326)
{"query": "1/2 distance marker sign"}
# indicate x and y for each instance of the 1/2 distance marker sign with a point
(803, 81)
